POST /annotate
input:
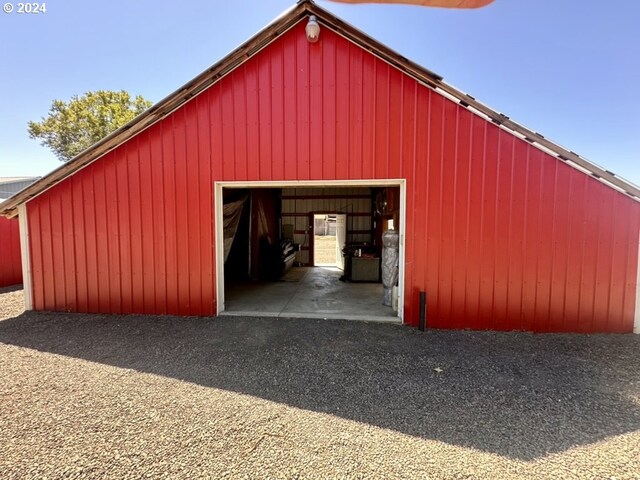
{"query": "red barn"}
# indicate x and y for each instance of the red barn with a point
(10, 261)
(230, 179)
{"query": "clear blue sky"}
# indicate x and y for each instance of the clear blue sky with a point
(569, 69)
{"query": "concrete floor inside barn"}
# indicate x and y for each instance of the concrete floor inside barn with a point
(311, 292)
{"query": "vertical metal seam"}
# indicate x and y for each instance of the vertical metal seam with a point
(388, 129)
(59, 287)
(245, 90)
(135, 143)
(308, 119)
(427, 192)
(213, 221)
(440, 266)
(107, 234)
(233, 128)
(271, 116)
(212, 306)
(283, 105)
(401, 153)
(95, 241)
(122, 241)
(73, 233)
(117, 232)
(347, 125)
(567, 247)
(84, 253)
(152, 240)
(610, 262)
(198, 207)
(482, 213)
(510, 245)
(142, 288)
(594, 287)
(525, 245)
(452, 263)
(165, 166)
(53, 260)
(361, 102)
(176, 267)
(407, 232)
(552, 240)
(580, 313)
(260, 157)
(320, 114)
(626, 274)
(468, 218)
(295, 111)
(187, 266)
(65, 268)
(374, 119)
(16, 260)
(219, 299)
(43, 286)
(496, 210)
(361, 159)
(536, 303)
(336, 114)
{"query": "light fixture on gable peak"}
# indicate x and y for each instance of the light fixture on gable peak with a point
(312, 29)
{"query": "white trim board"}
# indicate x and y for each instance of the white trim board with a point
(26, 257)
(219, 230)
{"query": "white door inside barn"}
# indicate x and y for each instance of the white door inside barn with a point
(329, 237)
(341, 238)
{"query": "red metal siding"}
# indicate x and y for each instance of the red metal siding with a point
(131, 232)
(499, 234)
(10, 258)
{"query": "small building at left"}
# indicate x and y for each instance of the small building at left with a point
(10, 259)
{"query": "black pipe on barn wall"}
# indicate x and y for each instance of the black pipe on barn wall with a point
(423, 311)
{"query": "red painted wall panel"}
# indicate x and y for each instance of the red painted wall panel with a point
(10, 257)
(499, 234)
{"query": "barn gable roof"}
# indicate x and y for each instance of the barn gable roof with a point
(280, 25)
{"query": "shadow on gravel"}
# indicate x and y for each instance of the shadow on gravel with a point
(517, 395)
(11, 288)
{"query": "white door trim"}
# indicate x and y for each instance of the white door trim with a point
(26, 256)
(219, 229)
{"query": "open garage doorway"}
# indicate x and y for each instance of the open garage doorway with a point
(306, 249)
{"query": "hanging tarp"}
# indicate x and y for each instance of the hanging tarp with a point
(231, 213)
(429, 3)
(264, 224)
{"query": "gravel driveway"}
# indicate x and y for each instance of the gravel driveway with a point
(105, 396)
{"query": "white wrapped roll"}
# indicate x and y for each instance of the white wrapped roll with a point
(390, 256)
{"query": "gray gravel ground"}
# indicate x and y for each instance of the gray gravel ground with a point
(99, 396)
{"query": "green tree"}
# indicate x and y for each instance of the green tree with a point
(73, 126)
